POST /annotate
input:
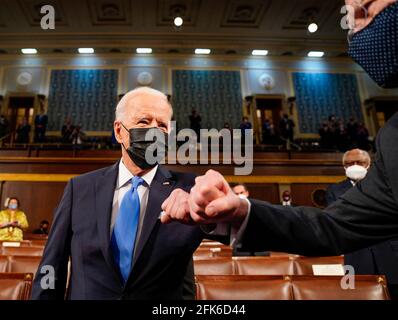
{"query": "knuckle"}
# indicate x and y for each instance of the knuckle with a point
(203, 189)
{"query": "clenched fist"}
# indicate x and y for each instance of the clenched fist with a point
(210, 201)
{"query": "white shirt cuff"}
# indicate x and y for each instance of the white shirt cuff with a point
(225, 229)
(237, 233)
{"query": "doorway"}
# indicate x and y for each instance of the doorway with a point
(385, 109)
(268, 108)
(19, 108)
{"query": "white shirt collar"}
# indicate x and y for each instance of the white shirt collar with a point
(125, 175)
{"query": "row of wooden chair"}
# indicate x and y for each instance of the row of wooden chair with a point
(15, 286)
(24, 243)
(19, 264)
(238, 287)
(279, 265)
(22, 251)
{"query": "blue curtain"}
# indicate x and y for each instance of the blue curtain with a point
(89, 97)
(319, 95)
(216, 95)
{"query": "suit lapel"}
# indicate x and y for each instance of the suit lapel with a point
(104, 192)
(160, 189)
(348, 185)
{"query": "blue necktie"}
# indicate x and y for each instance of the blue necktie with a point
(125, 229)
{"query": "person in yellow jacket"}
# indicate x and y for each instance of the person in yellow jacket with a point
(12, 222)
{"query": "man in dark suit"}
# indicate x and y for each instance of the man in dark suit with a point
(363, 216)
(41, 121)
(107, 222)
(378, 259)
(356, 163)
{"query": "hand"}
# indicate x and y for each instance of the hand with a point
(176, 208)
(213, 201)
(5, 225)
(367, 10)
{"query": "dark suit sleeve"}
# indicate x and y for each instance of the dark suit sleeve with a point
(363, 216)
(188, 290)
(330, 196)
(57, 251)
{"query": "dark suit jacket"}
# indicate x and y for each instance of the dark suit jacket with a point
(379, 259)
(81, 230)
(334, 191)
(363, 216)
(41, 120)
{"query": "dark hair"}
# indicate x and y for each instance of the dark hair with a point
(14, 198)
(240, 184)
(44, 222)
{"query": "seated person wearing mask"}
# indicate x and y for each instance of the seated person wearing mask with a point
(356, 163)
(44, 228)
(12, 222)
(378, 259)
(286, 198)
(241, 190)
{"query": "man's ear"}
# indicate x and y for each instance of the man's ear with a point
(117, 127)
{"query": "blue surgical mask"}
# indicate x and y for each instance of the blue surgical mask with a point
(13, 206)
(375, 48)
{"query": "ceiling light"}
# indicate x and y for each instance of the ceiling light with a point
(85, 50)
(202, 51)
(259, 52)
(316, 54)
(313, 27)
(144, 50)
(178, 21)
(29, 51)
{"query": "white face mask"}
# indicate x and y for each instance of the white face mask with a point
(356, 172)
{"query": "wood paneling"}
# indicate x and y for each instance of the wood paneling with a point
(114, 154)
(302, 193)
(266, 192)
(38, 199)
(82, 165)
(39, 181)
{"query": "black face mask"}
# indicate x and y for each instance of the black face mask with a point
(144, 141)
(375, 48)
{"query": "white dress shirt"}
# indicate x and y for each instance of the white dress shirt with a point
(123, 185)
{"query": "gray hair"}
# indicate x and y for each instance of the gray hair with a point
(120, 111)
(362, 152)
